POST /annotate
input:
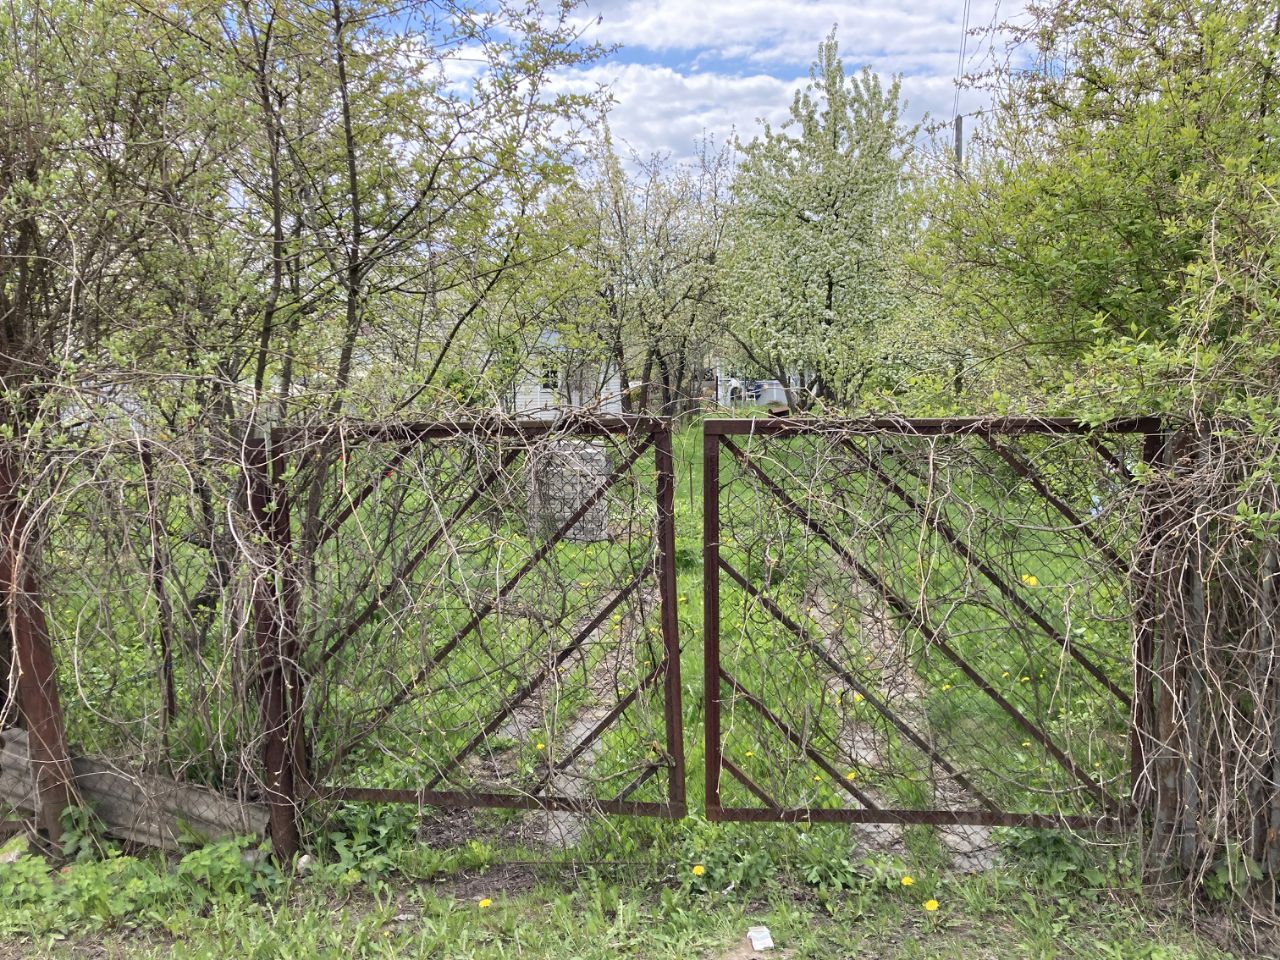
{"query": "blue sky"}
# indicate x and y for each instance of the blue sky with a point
(689, 67)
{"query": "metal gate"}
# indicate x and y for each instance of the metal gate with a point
(481, 616)
(921, 621)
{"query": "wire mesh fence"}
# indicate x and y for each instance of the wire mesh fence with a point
(905, 622)
(454, 614)
(921, 621)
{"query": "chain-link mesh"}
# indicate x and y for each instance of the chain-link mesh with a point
(481, 617)
(922, 623)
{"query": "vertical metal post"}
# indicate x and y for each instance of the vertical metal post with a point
(665, 464)
(165, 613)
(289, 597)
(37, 685)
(268, 630)
(1152, 519)
(711, 614)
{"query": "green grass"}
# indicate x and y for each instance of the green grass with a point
(422, 903)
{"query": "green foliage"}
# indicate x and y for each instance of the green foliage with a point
(1232, 875)
(1106, 253)
(103, 893)
(1061, 863)
(714, 858)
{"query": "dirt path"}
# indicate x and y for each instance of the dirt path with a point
(543, 720)
(882, 657)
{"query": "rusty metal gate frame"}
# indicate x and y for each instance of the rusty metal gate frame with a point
(286, 753)
(718, 435)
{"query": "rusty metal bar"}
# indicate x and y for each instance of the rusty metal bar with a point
(938, 818)
(531, 687)
(756, 790)
(943, 529)
(486, 608)
(331, 526)
(1108, 454)
(926, 426)
(268, 628)
(664, 462)
(638, 782)
(594, 733)
(711, 617)
(353, 626)
(915, 619)
(787, 731)
(851, 681)
(37, 684)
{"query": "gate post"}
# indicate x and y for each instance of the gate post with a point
(270, 609)
(1142, 730)
(711, 614)
(665, 463)
(32, 659)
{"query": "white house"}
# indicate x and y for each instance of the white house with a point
(555, 381)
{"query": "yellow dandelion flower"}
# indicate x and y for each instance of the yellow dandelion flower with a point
(931, 905)
(1026, 679)
(817, 778)
(539, 746)
(851, 775)
(858, 698)
(751, 753)
(1030, 580)
(486, 903)
(907, 881)
(946, 687)
(683, 599)
(699, 869)
(1005, 674)
(1026, 743)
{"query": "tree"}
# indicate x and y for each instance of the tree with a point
(636, 292)
(810, 277)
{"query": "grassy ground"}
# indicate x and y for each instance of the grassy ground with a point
(478, 904)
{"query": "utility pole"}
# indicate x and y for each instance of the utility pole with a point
(959, 125)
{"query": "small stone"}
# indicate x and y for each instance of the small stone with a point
(761, 939)
(306, 864)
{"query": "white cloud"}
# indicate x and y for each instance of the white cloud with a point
(776, 31)
(696, 67)
(661, 110)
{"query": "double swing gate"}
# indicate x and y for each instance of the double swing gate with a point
(904, 621)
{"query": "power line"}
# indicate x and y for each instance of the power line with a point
(964, 43)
